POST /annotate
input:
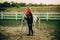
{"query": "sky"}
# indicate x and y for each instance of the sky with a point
(34, 1)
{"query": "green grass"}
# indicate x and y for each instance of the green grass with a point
(9, 16)
(12, 16)
(50, 22)
(9, 22)
(17, 22)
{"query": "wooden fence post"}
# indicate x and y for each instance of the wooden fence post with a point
(2, 15)
(47, 16)
(16, 16)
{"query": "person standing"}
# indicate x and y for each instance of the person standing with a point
(29, 20)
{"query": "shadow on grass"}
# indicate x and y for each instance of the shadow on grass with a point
(2, 36)
(56, 33)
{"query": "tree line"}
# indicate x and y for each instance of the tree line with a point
(12, 4)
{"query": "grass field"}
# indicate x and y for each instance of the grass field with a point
(34, 9)
(10, 22)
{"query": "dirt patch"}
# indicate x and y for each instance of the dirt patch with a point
(19, 33)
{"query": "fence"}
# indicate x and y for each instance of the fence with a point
(41, 15)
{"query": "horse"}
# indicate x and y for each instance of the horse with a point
(24, 21)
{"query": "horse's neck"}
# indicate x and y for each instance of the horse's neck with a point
(34, 17)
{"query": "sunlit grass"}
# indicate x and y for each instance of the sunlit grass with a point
(38, 9)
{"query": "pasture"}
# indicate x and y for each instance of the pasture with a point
(34, 9)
